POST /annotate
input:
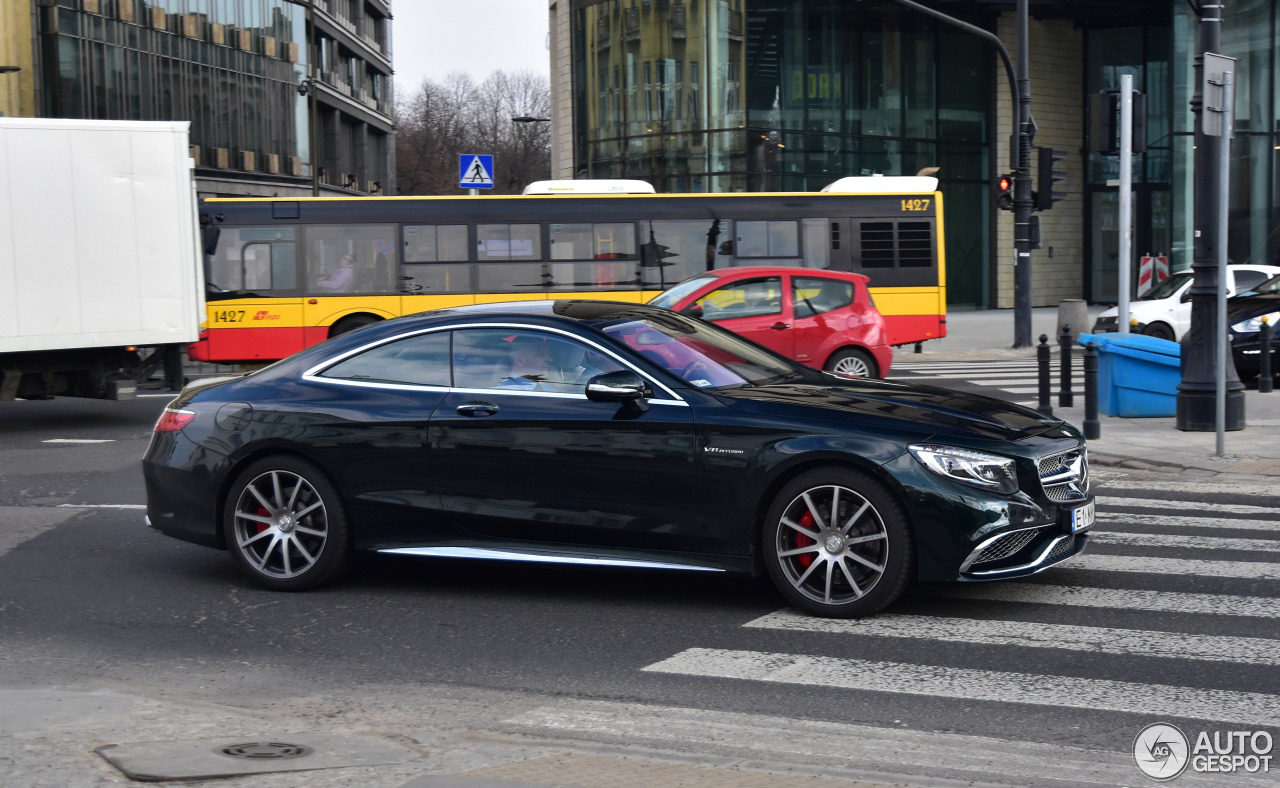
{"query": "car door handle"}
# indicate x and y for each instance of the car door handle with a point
(780, 326)
(477, 409)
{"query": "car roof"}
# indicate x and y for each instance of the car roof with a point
(778, 270)
(580, 310)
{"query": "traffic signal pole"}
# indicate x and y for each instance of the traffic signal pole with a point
(1022, 199)
(1126, 202)
(1019, 157)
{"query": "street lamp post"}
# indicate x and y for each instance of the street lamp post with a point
(1197, 393)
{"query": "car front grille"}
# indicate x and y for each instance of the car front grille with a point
(1065, 475)
(1007, 545)
(1064, 548)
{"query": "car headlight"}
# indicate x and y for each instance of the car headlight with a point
(974, 468)
(1254, 324)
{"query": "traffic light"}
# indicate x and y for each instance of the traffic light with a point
(1004, 193)
(1046, 177)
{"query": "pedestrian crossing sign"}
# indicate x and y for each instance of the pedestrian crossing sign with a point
(475, 171)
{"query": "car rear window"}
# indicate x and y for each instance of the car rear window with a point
(815, 295)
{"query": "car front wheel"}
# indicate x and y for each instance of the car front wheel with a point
(837, 543)
(1159, 331)
(285, 524)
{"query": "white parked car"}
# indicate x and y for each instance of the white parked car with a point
(1165, 312)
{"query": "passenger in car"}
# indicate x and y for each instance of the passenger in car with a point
(531, 366)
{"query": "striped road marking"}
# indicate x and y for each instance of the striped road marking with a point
(1154, 701)
(170, 395)
(79, 440)
(1096, 640)
(1194, 542)
(1181, 506)
(101, 506)
(1176, 521)
(1248, 570)
(1229, 488)
(1117, 599)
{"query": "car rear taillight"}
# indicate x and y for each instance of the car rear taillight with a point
(174, 420)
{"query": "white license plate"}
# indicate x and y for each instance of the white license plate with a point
(1082, 518)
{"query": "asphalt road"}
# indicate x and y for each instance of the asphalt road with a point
(1172, 616)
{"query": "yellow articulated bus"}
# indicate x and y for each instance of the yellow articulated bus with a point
(285, 274)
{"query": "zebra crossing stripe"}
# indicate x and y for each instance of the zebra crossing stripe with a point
(1231, 488)
(1117, 599)
(1195, 542)
(1248, 570)
(1154, 701)
(1177, 521)
(1095, 640)
(1182, 506)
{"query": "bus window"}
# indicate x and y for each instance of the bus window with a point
(817, 243)
(601, 244)
(508, 242)
(767, 239)
(436, 278)
(372, 252)
(674, 250)
(510, 278)
(258, 259)
(427, 243)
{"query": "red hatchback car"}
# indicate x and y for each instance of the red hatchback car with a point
(823, 319)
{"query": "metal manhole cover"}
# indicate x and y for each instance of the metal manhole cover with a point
(263, 749)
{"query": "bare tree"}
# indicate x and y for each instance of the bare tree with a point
(455, 116)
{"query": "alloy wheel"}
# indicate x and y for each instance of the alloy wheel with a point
(832, 544)
(852, 366)
(281, 525)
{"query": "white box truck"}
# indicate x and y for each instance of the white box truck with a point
(100, 264)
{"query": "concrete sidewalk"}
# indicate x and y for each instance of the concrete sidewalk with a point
(1146, 443)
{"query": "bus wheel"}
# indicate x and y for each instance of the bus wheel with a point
(351, 323)
(852, 362)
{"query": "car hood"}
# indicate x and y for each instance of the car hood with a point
(1245, 307)
(919, 408)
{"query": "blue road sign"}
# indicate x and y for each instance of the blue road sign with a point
(475, 171)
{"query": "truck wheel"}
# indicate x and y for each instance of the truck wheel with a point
(351, 323)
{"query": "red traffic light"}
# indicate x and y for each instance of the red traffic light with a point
(1004, 193)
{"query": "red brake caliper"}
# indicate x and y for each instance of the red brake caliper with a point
(262, 513)
(803, 541)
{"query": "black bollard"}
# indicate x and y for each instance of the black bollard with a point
(1064, 346)
(1265, 383)
(1042, 361)
(1092, 427)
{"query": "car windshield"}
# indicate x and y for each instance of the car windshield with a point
(676, 294)
(699, 353)
(1168, 288)
(1272, 285)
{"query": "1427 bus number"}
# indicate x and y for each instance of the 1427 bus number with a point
(915, 205)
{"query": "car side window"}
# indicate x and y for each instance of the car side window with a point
(815, 295)
(421, 360)
(744, 298)
(1248, 280)
(496, 358)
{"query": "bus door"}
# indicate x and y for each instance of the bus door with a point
(840, 246)
(252, 306)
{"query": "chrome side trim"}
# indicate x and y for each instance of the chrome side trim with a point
(312, 374)
(1031, 565)
(539, 558)
(985, 543)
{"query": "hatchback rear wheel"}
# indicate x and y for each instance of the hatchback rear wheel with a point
(285, 524)
(852, 362)
(837, 543)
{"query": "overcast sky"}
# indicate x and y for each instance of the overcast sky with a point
(431, 38)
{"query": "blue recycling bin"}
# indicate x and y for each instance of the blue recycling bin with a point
(1138, 375)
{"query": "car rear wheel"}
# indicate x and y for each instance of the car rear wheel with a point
(837, 543)
(852, 362)
(285, 524)
(1159, 331)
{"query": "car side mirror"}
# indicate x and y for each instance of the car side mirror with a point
(1186, 296)
(622, 386)
(693, 310)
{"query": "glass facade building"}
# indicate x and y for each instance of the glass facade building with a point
(252, 77)
(783, 95)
